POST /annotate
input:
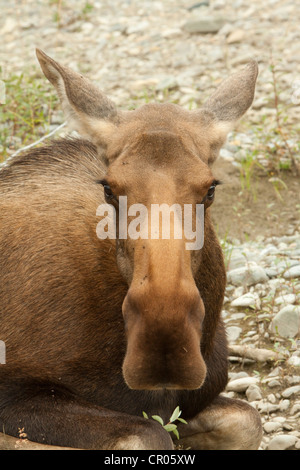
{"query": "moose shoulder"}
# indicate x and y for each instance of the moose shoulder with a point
(99, 330)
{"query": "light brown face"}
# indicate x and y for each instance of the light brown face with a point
(163, 311)
(158, 154)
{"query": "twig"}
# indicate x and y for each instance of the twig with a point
(259, 355)
(33, 144)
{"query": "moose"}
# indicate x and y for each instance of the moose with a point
(98, 331)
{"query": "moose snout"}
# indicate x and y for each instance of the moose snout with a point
(163, 340)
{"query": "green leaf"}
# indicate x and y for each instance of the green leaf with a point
(158, 418)
(170, 427)
(182, 420)
(176, 413)
(175, 431)
(145, 415)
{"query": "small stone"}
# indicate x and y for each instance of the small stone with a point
(241, 385)
(139, 27)
(204, 25)
(272, 426)
(294, 361)
(292, 272)
(253, 393)
(233, 333)
(248, 275)
(274, 383)
(287, 322)
(236, 36)
(285, 299)
(167, 83)
(246, 300)
(284, 405)
(288, 392)
(282, 442)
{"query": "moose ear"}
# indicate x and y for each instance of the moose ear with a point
(233, 97)
(227, 105)
(91, 113)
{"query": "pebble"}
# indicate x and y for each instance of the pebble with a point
(204, 25)
(292, 272)
(288, 392)
(246, 300)
(233, 333)
(272, 426)
(247, 275)
(241, 385)
(282, 442)
(253, 393)
(287, 321)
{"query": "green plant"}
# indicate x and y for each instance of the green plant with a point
(26, 114)
(87, 9)
(170, 426)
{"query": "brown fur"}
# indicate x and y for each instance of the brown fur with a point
(98, 331)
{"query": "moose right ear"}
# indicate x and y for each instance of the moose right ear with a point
(91, 113)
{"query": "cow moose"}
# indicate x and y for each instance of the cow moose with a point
(99, 330)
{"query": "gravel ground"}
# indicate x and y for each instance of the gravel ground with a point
(142, 50)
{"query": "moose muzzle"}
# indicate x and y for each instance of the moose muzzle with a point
(163, 338)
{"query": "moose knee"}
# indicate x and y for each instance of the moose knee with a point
(147, 435)
(242, 427)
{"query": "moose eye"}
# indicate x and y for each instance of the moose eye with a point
(211, 192)
(107, 189)
(108, 192)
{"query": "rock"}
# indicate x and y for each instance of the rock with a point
(233, 333)
(253, 393)
(286, 322)
(241, 385)
(236, 36)
(282, 442)
(204, 25)
(248, 275)
(292, 272)
(294, 361)
(288, 392)
(285, 299)
(284, 405)
(136, 28)
(167, 83)
(272, 426)
(268, 407)
(246, 300)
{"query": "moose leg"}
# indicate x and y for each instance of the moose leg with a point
(226, 424)
(48, 414)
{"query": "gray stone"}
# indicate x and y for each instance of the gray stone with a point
(272, 426)
(246, 300)
(253, 393)
(285, 299)
(204, 25)
(241, 385)
(282, 442)
(286, 322)
(292, 272)
(247, 275)
(233, 333)
(288, 392)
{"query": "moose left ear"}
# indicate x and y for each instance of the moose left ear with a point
(91, 113)
(234, 96)
(228, 104)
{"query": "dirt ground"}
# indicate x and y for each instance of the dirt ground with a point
(265, 209)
